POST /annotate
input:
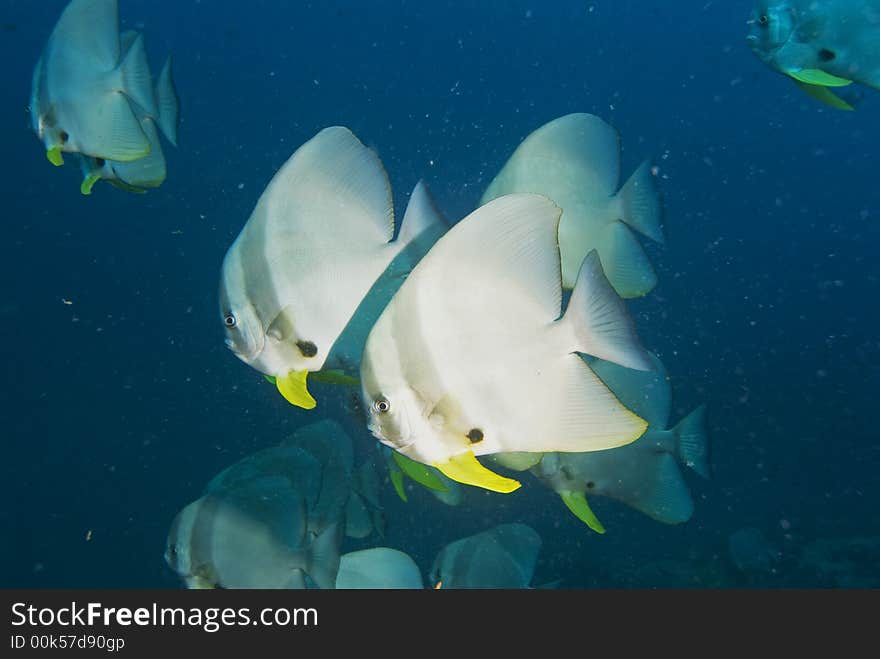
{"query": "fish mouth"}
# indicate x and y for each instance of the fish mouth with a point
(397, 446)
(243, 355)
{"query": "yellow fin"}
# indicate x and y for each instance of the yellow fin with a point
(397, 481)
(824, 95)
(269, 378)
(418, 472)
(577, 503)
(335, 377)
(86, 186)
(293, 387)
(465, 468)
(819, 77)
(54, 156)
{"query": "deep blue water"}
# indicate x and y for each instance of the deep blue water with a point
(118, 408)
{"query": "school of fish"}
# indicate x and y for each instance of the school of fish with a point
(490, 352)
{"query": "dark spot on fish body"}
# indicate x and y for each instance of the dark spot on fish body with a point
(307, 348)
(100, 162)
(475, 435)
(826, 55)
(590, 485)
(64, 136)
(566, 472)
(763, 19)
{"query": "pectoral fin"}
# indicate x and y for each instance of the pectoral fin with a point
(577, 503)
(819, 77)
(269, 378)
(465, 468)
(54, 156)
(824, 95)
(293, 387)
(418, 472)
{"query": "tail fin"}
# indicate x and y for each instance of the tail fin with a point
(149, 171)
(692, 441)
(641, 203)
(600, 321)
(137, 83)
(168, 103)
(664, 496)
(421, 216)
(323, 563)
(624, 261)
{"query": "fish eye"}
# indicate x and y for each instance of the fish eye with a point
(100, 162)
(229, 321)
(63, 136)
(382, 405)
(763, 19)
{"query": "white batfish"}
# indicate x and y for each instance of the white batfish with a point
(318, 240)
(378, 568)
(316, 460)
(821, 45)
(472, 356)
(251, 535)
(502, 557)
(82, 88)
(331, 446)
(644, 474)
(575, 161)
(150, 171)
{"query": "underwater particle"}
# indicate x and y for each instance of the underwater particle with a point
(89, 535)
(66, 301)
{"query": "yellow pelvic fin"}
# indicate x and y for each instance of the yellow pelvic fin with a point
(54, 156)
(577, 503)
(335, 377)
(86, 186)
(293, 387)
(465, 468)
(269, 378)
(824, 95)
(420, 473)
(397, 481)
(819, 77)
(198, 583)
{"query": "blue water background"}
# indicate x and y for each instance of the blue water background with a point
(119, 407)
